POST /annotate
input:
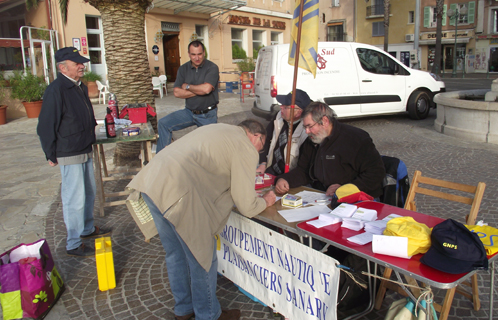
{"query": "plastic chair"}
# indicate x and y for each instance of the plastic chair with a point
(157, 85)
(164, 79)
(103, 90)
(474, 200)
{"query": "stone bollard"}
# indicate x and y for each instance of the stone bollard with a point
(492, 96)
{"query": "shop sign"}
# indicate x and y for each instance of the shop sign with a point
(256, 22)
(170, 26)
(444, 35)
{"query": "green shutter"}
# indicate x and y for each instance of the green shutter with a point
(427, 16)
(445, 7)
(453, 7)
(472, 11)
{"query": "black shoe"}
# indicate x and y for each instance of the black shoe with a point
(97, 233)
(81, 251)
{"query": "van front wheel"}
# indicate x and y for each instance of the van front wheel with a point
(419, 105)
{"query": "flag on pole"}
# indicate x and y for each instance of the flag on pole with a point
(309, 35)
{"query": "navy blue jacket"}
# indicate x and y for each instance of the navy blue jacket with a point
(66, 124)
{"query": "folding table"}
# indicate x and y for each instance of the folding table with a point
(337, 236)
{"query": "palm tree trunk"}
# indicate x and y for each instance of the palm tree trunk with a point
(386, 24)
(436, 66)
(126, 56)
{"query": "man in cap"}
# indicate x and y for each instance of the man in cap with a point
(272, 159)
(197, 83)
(335, 154)
(66, 127)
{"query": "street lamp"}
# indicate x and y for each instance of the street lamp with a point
(456, 14)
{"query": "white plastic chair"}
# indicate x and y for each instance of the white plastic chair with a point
(103, 90)
(157, 85)
(163, 79)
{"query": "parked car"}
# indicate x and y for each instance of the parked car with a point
(354, 79)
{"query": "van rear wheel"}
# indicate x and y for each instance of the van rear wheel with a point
(419, 105)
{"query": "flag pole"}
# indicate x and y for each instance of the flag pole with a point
(294, 83)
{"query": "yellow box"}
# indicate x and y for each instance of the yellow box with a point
(105, 263)
(290, 200)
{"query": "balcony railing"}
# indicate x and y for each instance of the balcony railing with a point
(376, 10)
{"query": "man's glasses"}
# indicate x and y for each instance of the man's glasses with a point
(262, 144)
(289, 107)
(308, 127)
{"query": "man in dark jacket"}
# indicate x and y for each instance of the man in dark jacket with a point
(334, 154)
(66, 127)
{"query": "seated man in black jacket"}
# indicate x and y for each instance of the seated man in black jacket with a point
(334, 154)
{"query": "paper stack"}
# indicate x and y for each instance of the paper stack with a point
(344, 210)
(357, 221)
(362, 238)
(375, 227)
(325, 219)
(378, 226)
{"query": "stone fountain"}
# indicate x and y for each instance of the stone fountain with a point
(471, 115)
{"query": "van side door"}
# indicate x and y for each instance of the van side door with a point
(382, 82)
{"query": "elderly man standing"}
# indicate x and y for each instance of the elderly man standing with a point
(66, 127)
(197, 83)
(190, 189)
(335, 154)
(272, 159)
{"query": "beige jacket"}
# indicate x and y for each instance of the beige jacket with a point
(199, 178)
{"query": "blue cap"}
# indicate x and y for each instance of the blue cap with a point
(69, 53)
(455, 249)
(302, 99)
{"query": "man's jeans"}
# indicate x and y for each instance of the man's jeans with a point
(78, 197)
(181, 119)
(193, 288)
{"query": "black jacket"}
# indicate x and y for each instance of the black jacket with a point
(348, 155)
(66, 124)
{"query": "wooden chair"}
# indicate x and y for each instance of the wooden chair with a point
(474, 200)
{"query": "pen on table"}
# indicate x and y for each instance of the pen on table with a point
(322, 200)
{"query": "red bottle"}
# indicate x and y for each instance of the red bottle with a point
(110, 129)
(114, 108)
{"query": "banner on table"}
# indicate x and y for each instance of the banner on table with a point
(291, 278)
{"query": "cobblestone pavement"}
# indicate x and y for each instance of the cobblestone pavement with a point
(30, 208)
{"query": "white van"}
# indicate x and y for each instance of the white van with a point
(354, 79)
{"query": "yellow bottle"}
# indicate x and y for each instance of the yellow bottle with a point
(105, 263)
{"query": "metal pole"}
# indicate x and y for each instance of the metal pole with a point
(454, 73)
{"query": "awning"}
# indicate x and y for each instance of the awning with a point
(203, 6)
(445, 41)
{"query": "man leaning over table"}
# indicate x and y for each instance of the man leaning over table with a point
(66, 126)
(190, 189)
(333, 155)
(197, 83)
(272, 159)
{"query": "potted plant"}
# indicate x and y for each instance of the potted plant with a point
(246, 65)
(29, 89)
(3, 108)
(90, 79)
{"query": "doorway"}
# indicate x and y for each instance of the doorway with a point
(171, 55)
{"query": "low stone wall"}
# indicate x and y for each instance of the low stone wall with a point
(460, 116)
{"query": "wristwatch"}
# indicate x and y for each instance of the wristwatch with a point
(187, 87)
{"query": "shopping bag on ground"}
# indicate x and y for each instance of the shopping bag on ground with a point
(30, 283)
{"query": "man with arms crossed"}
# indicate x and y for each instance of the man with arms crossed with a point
(197, 83)
(190, 189)
(66, 127)
(335, 154)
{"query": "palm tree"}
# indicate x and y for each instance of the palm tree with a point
(130, 79)
(436, 66)
(387, 3)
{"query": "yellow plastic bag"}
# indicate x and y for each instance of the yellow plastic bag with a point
(418, 234)
(488, 236)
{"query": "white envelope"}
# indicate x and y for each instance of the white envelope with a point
(391, 246)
